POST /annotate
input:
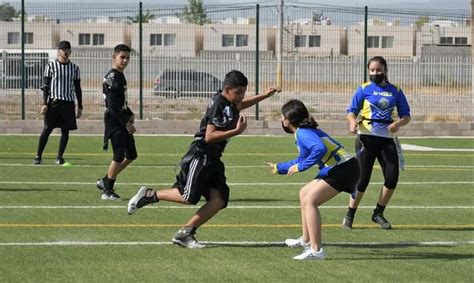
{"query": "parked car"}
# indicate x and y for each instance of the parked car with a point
(177, 83)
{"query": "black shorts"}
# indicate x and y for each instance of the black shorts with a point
(343, 177)
(198, 174)
(123, 145)
(61, 114)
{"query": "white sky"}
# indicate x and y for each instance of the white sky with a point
(419, 4)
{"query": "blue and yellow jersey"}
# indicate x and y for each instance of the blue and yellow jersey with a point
(377, 106)
(315, 147)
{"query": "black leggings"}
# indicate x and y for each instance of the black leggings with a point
(43, 140)
(384, 149)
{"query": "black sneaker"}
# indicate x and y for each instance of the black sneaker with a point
(100, 184)
(109, 195)
(379, 219)
(347, 222)
(186, 240)
(60, 161)
(37, 160)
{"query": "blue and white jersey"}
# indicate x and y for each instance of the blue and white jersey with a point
(315, 147)
(376, 107)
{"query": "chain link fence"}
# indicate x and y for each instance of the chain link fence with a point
(176, 65)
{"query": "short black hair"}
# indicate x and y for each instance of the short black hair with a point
(235, 79)
(122, 48)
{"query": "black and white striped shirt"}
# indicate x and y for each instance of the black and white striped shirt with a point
(62, 79)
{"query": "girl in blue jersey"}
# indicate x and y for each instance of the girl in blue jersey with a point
(377, 111)
(338, 171)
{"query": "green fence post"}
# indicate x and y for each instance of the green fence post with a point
(366, 15)
(23, 70)
(140, 60)
(257, 57)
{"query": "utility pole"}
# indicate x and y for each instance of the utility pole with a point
(472, 45)
(280, 49)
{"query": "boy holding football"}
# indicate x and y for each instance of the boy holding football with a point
(202, 171)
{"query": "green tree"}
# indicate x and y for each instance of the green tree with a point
(421, 21)
(146, 17)
(7, 12)
(195, 13)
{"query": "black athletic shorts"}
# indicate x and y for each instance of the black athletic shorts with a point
(198, 174)
(343, 177)
(123, 145)
(61, 114)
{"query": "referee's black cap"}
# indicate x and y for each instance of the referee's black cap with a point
(64, 45)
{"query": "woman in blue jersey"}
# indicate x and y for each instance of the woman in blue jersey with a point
(339, 171)
(372, 115)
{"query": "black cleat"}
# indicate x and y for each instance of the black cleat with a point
(347, 222)
(37, 160)
(379, 219)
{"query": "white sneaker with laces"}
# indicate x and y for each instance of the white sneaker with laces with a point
(294, 243)
(188, 242)
(133, 203)
(311, 254)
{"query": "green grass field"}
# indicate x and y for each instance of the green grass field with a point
(55, 228)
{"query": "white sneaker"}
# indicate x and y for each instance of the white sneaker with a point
(188, 241)
(294, 243)
(311, 254)
(133, 203)
(110, 196)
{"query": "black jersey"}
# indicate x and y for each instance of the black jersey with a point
(114, 88)
(224, 116)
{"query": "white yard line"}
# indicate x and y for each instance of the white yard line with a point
(227, 166)
(233, 243)
(230, 184)
(229, 207)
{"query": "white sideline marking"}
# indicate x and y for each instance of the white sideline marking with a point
(236, 243)
(227, 166)
(230, 184)
(229, 207)
(412, 147)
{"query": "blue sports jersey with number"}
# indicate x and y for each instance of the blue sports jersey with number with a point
(315, 147)
(376, 106)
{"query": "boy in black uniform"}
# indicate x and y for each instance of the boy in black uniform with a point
(61, 86)
(202, 171)
(118, 120)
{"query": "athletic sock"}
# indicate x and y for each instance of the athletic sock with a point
(379, 209)
(351, 212)
(109, 184)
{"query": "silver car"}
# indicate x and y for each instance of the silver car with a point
(186, 83)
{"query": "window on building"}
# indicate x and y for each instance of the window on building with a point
(84, 39)
(241, 40)
(387, 41)
(373, 42)
(98, 39)
(445, 40)
(13, 38)
(227, 40)
(300, 41)
(314, 41)
(460, 40)
(169, 39)
(156, 39)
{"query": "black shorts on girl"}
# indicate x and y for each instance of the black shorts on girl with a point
(343, 177)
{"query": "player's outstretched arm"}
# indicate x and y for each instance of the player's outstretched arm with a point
(252, 100)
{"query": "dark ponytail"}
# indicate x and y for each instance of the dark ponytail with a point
(297, 114)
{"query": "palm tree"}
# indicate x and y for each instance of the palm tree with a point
(146, 17)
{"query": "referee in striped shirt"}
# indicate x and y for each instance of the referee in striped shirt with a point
(62, 85)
